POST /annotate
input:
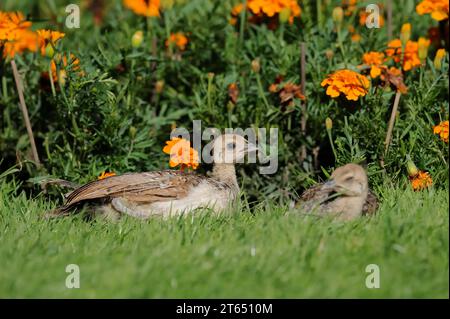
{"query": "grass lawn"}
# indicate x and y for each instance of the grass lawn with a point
(267, 253)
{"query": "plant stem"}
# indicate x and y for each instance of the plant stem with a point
(387, 141)
(319, 12)
(24, 109)
(332, 144)
(261, 91)
(303, 103)
(210, 79)
(389, 19)
(4, 88)
(50, 76)
(341, 45)
(243, 17)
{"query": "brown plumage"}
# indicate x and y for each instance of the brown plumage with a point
(346, 195)
(166, 192)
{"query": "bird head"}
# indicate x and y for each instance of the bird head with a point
(349, 180)
(231, 149)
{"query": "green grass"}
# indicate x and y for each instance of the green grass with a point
(205, 256)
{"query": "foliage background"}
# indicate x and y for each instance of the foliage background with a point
(113, 118)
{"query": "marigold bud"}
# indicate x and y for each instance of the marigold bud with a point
(62, 77)
(230, 106)
(440, 54)
(132, 132)
(411, 167)
(328, 124)
(284, 15)
(338, 15)
(329, 54)
(405, 33)
(49, 51)
(137, 38)
(423, 45)
(256, 66)
(167, 4)
(159, 86)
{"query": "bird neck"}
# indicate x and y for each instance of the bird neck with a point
(225, 173)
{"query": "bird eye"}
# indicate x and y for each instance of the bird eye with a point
(231, 146)
(349, 178)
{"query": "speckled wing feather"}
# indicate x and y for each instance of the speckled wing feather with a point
(371, 205)
(145, 187)
(313, 196)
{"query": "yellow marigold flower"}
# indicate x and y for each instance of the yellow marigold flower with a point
(106, 175)
(423, 45)
(178, 39)
(421, 181)
(440, 54)
(349, 83)
(375, 61)
(411, 57)
(442, 130)
(181, 153)
(437, 8)
(48, 37)
(147, 8)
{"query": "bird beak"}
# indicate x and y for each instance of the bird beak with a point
(329, 185)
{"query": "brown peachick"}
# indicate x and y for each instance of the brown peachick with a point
(345, 195)
(168, 192)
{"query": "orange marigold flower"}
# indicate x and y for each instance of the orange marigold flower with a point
(237, 9)
(349, 6)
(287, 91)
(349, 83)
(233, 92)
(48, 37)
(270, 8)
(147, 8)
(106, 175)
(178, 39)
(437, 8)
(375, 61)
(12, 22)
(181, 153)
(421, 181)
(24, 40)
(411, 56)
(15, 36)
(394, 76)
(442, 130)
